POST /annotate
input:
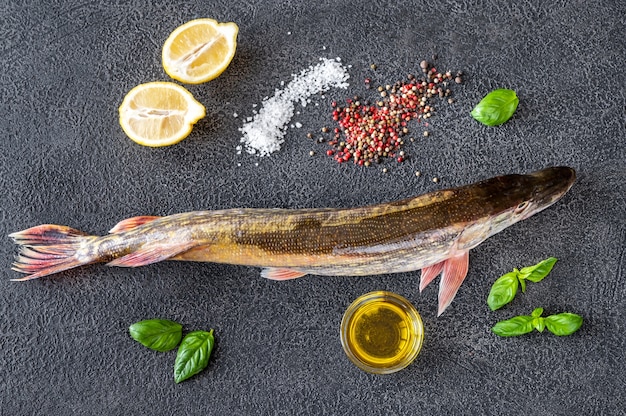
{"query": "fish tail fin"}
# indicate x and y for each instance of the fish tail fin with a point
(47, 249)
(454, 272)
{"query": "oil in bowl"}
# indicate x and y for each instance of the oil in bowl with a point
(381, 332)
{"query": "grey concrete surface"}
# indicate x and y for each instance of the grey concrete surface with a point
(64, 345)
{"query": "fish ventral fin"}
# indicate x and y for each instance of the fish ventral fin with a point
(130, 223)
(454, 272)
(152, 253)
(274, 273)
(429, 273)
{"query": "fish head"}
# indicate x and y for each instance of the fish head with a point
(538, 190)
(505, 200)
(522, 196)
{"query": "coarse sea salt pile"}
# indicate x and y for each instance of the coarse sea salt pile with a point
(264, 133)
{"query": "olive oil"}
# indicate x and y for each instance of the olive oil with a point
(382, 332)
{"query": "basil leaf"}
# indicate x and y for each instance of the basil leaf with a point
(537, 272)
(518, 325)
(496, 108)
(564, 323)
(503, 291)
(157, 334)
(193, 354)
(539, 323)
(522, 284)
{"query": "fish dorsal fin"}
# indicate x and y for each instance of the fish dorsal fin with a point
(454, 272)
(152, 253)
(130, 223)
(274, 273)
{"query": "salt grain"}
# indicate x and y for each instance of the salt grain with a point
(264, 134)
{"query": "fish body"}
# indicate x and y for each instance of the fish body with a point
(433, 232)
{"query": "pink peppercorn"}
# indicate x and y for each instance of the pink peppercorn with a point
(373, 131)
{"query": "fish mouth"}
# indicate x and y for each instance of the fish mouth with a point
(551, 184)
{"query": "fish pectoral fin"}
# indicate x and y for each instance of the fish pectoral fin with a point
(429, 273)
(454, 272)
(130, 223)
(150, 254)
(274, 273)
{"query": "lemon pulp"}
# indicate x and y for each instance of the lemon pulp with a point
(159, 113)
(199, 50)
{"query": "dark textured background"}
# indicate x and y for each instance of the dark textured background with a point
(64, 346)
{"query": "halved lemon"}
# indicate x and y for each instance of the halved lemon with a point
(199, 50)
(159, 113)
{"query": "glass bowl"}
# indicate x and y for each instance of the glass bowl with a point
(381, 332)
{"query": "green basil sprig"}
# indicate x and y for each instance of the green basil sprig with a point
(164, 335)
(505, 287)
(561, 324)
(496, 108)
(157, 334)
(193, 354)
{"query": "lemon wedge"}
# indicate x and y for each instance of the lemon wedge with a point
(199, 50)
(159, 113)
